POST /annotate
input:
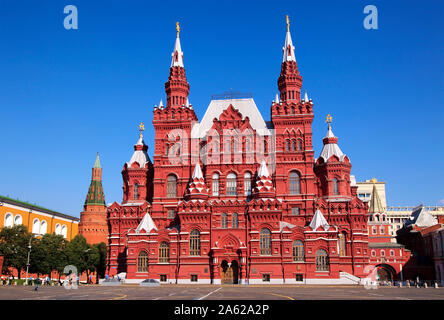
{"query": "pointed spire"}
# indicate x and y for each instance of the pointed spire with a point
(288, 47)
(375, 204)
(331, 144)
(197, 174)
(263, 170)
(161, 104)
(140, 154)
(277, 98)
(95, 194)
(197, 189)
(264, 185)
(177, 55)
(318, 221)
(188, 103)
(306, 96)
(146, 224)
(97, 163)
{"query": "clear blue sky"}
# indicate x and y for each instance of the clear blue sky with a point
(66, 94)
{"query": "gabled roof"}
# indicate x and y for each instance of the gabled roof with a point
(421, 218)
(318, 221)
(146, 224)
(247, 107)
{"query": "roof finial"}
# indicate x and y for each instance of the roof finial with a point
(288, 23)
(177, 29)
(329, 120)
(141, 127)
(374, 180)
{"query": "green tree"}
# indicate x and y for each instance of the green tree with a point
(48, 254)
(101, 266)
(14, 243)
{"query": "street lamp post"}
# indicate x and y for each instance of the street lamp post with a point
(27, 263)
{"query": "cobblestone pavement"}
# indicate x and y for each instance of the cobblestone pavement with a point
(217, 292)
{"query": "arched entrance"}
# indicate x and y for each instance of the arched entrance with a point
(385, 272)
(229, 272)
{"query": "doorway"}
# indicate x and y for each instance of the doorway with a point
(229, 272)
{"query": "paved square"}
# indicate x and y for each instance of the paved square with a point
(215, 292)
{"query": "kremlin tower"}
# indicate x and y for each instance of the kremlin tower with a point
(93, 225)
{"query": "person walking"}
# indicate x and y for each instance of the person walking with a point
(37, 284)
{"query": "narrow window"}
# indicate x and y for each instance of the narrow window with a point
(224, 221)
(195, 243)
(265, 242)
(164, 252)
(298, 251)
(136, 191)
(235, 221)
(295, 184)
(231, 184)
(142, 262)
(321, 260)
(247, 184)
(215, 184)
(171, 186)
(335, 186)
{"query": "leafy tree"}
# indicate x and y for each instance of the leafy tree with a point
(48, 254)
(101, 266)
(14, 243)
(76, 253)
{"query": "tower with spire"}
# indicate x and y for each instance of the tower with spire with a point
(93, 225)
(173, 124)
(333, 168)
(219, 210)
(292, 120)
(137, 173)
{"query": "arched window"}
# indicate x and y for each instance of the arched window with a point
(335, 186)
(342, 244)
(228, 146)
(265, 146)
(299, 145)
(321, 260)
(164, 252)
(298, 251)
(171, 186)
(247, 183)
(373, 253)
(293, 143)
(8, 220)
(195, 243)
(265, 241)
(177, 148)
(235, 221)
(382, 253)
(43, 227)
(288, 145)
(36, 226)
(58, 229)
(215, 184)
(136, 191)
(142, 262)
(247, 145)
(295, 183)
(64, 231)
(231, 184)
(167, 148)
(18, 220)
(224, 220)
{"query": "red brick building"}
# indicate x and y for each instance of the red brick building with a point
(232, 198)
(93, 224)
(387, 257)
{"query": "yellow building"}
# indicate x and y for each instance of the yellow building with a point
(38, 220)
